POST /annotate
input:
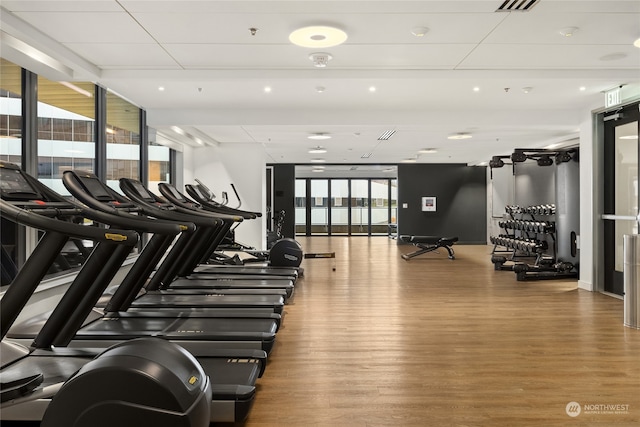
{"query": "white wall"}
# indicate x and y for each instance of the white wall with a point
(242, 165)
(589, 174)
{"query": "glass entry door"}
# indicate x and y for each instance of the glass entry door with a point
(346, 206)
(621, 192)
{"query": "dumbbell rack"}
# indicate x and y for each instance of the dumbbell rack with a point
(529, 238)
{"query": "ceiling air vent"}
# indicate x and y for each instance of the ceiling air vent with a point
(517, 5)
(386, 135)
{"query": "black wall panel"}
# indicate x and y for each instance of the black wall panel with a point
(284, 197)
(461, 201)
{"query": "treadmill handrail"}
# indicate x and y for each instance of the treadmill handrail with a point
(162, 209)
(166, 190)
(117, 217)
(212, 206)
(78, 231)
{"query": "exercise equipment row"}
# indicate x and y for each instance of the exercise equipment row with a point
(527, 246)
(230, 332)
(549, 209)
(528, 226)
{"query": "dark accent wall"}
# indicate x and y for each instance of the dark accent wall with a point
(461, 201)
(284, 196)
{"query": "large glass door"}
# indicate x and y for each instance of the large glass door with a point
(360, 204)
(345, 206)
(319, 206)
(339, 206)
(621, 192)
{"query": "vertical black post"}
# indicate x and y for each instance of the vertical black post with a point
(29, 158)
(173, 166)
(308, 206)
(144, 149)
(389, 195)
(329, 207)
(369, 207)
(29, 122)
(349, 205)
(101, 134)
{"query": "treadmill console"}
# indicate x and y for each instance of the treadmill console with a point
(175, 193)
(14, 186)
(142, 191)
(94, 187)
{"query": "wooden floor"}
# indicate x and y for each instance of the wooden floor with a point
(382, 341)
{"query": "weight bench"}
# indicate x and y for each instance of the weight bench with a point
(429, 244)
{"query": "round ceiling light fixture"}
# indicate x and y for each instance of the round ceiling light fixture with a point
(637, 43)
(318, 36)
(317, 150)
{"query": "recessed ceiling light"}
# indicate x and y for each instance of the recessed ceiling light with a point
(460, 135)
(372, 88)
(318, 150)
(629, 137)
(267, 89)
(428, 151)
(319, 167)
(568, 31)
(318, 36)
(161, 88)
(319, 136)
(408, 160)
(476, 89)
(636, 43)
(527, 89)
(318, 160)
(320, 89)
(419, 31)
(317, 170)
(582, 88)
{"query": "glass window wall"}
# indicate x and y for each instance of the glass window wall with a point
(123, 140)
(10, 112)
(319, 206)
(339, 206)
(66, 130)
(301, 206)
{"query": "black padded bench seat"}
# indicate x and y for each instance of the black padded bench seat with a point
(428, 244)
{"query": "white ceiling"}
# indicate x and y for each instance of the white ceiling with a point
(214, 71)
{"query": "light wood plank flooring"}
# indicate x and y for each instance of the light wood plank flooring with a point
(382, 341)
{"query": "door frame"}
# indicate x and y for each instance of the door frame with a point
(611, 279)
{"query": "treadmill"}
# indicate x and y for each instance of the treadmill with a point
(39, 371)
(204, 197)
(76, 323)
(86, 186)
(193, 269)
(165, 278)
